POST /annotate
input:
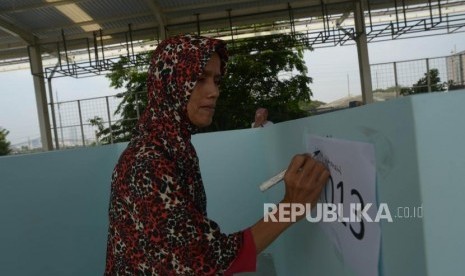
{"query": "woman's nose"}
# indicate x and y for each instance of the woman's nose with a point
(213, 90)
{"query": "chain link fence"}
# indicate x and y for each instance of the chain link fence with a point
(445, 73)
(71, 126)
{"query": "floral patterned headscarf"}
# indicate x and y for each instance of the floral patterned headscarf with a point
(158, 218)
(175, 67)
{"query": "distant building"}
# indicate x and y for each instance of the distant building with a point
(33, 143)
(455, 68)
(354, 101)
(36, 143)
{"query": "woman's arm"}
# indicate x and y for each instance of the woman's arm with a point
(304, 178)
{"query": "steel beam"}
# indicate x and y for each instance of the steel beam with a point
(35, 59)
(362, 50)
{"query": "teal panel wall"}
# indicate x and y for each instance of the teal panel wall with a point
(53, 206)
(53, 212)
(231, 166)
(441, 161)
(304, 250)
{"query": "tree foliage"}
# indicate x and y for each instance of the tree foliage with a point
(422, 84)
(390, 89)
(131, 75)
(4, 143)
(262, 72)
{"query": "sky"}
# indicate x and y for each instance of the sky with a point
(334, 71)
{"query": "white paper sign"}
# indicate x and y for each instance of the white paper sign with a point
(352, 182)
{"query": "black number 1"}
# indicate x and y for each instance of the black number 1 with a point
(341, 185)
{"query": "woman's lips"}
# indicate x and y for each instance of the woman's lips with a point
(208, 107)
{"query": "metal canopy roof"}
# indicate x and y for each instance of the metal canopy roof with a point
(26, 22)
(52, 35)
(76, 24)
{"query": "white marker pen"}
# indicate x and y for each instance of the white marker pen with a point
(280, 176)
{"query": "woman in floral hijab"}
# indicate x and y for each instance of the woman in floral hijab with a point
(158, 220)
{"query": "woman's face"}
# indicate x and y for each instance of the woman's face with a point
(202, 102)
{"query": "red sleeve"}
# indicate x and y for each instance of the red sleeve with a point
(246, 259)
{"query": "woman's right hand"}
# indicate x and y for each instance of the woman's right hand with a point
(304, 178)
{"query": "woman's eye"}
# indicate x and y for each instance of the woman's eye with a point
(217, 80)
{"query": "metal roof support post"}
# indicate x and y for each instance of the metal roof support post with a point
(396, 80)
(428, 76)
(156, 10)
(41, 98)
(461, 71)
(52, 105)
(52, 108)
(362, 50)
(231, 27)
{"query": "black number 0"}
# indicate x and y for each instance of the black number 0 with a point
(360, 234)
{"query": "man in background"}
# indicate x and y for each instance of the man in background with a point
(261, 118)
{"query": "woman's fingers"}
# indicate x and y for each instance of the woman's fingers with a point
(324, 176)
(301, 163)
(305, 179)
(296, 163)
